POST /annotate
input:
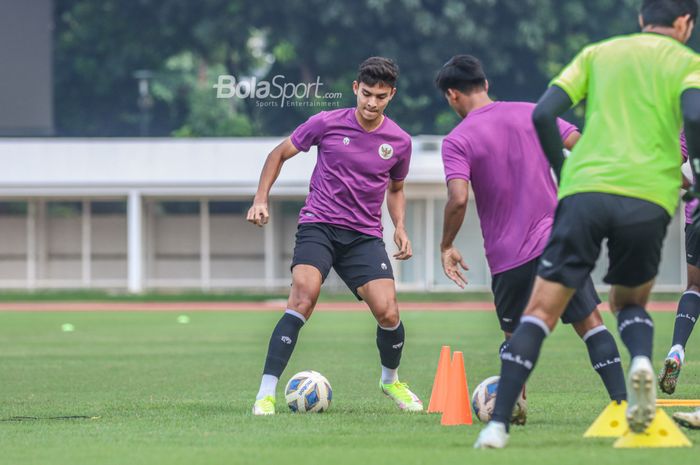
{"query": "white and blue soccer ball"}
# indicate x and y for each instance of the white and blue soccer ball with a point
(484, 401)
(308, 391)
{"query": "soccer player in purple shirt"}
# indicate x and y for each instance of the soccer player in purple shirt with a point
(688, 307)
(689, 304)
(362, 156)
(495, 148)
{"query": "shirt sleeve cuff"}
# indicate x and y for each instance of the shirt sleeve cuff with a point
(297, 145)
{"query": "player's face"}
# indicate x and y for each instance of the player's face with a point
(372, 100)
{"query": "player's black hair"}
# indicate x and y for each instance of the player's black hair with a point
(665, 12)
(463, 73)
(376, 70)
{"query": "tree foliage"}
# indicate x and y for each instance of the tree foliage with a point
(187, 44)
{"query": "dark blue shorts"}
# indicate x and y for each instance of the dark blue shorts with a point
(512, 289)
(635, 230)
(692, 246)
(357, 258)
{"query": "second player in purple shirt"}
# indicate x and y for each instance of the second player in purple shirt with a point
(495, 149)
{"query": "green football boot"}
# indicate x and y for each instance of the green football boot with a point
(402, 396)
(264, 406)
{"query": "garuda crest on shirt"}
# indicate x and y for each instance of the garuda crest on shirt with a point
(386, 151)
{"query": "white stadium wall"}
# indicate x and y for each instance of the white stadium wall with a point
(155, 214)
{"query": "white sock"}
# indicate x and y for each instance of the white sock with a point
(678, 348)
(389, 375)
(268, 384)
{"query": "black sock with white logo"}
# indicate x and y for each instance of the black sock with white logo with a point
(390, 345)
(636, 330)
(282, 342)
(686, 317)
(518, 359)
(605, 359)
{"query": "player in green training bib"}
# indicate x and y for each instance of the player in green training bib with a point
(621, 183)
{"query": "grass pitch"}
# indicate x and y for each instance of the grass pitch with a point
(169, 393)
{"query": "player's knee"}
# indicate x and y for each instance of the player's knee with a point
(388, 315)
(539, 313)
(302, 302)
(693, 279)
(593, 321)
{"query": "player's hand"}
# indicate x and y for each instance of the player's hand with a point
(451, 262)
(692, 193)
(401, 239)
(258, 214)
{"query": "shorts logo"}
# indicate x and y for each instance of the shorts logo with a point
(346, 140)
(397, 346)
(384, 267)
(546, 263)
(286, 339)
(386, 151)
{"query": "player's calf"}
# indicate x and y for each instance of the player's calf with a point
(605, 359)
(279, 351)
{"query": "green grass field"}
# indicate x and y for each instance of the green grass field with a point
(169, 393)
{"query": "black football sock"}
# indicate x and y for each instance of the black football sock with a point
(390, 344)
(636, 330)
(517, 362)
(504, 346)
(605, 359)
(686, 317)
(282, 342)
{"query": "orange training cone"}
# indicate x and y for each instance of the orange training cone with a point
(457, 410)
(439, 395)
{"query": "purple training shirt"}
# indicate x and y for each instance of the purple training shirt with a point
(352, 170)
(689, 206)
(496, 149)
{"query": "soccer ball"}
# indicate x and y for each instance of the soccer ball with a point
(484, 401)
(308, 391)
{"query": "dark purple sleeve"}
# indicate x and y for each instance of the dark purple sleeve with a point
(400, 170)
(684, 147)
(309, 133)
(565, 128)
(455, 160)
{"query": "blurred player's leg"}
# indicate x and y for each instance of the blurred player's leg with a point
(603, 353)
(686, 317)
(380, 295)
(547, 304)
(306, 286)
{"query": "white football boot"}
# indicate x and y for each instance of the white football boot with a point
(641, 393)
(688, 419)
(494, 436)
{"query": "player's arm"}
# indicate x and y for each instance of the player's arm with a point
(455, 209)
(396, 204)
(553, 104)
(259, 214)
(571, 140)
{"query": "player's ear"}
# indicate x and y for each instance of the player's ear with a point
(486, 86)
(355, 87)
(393, 92)
(684, 27)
